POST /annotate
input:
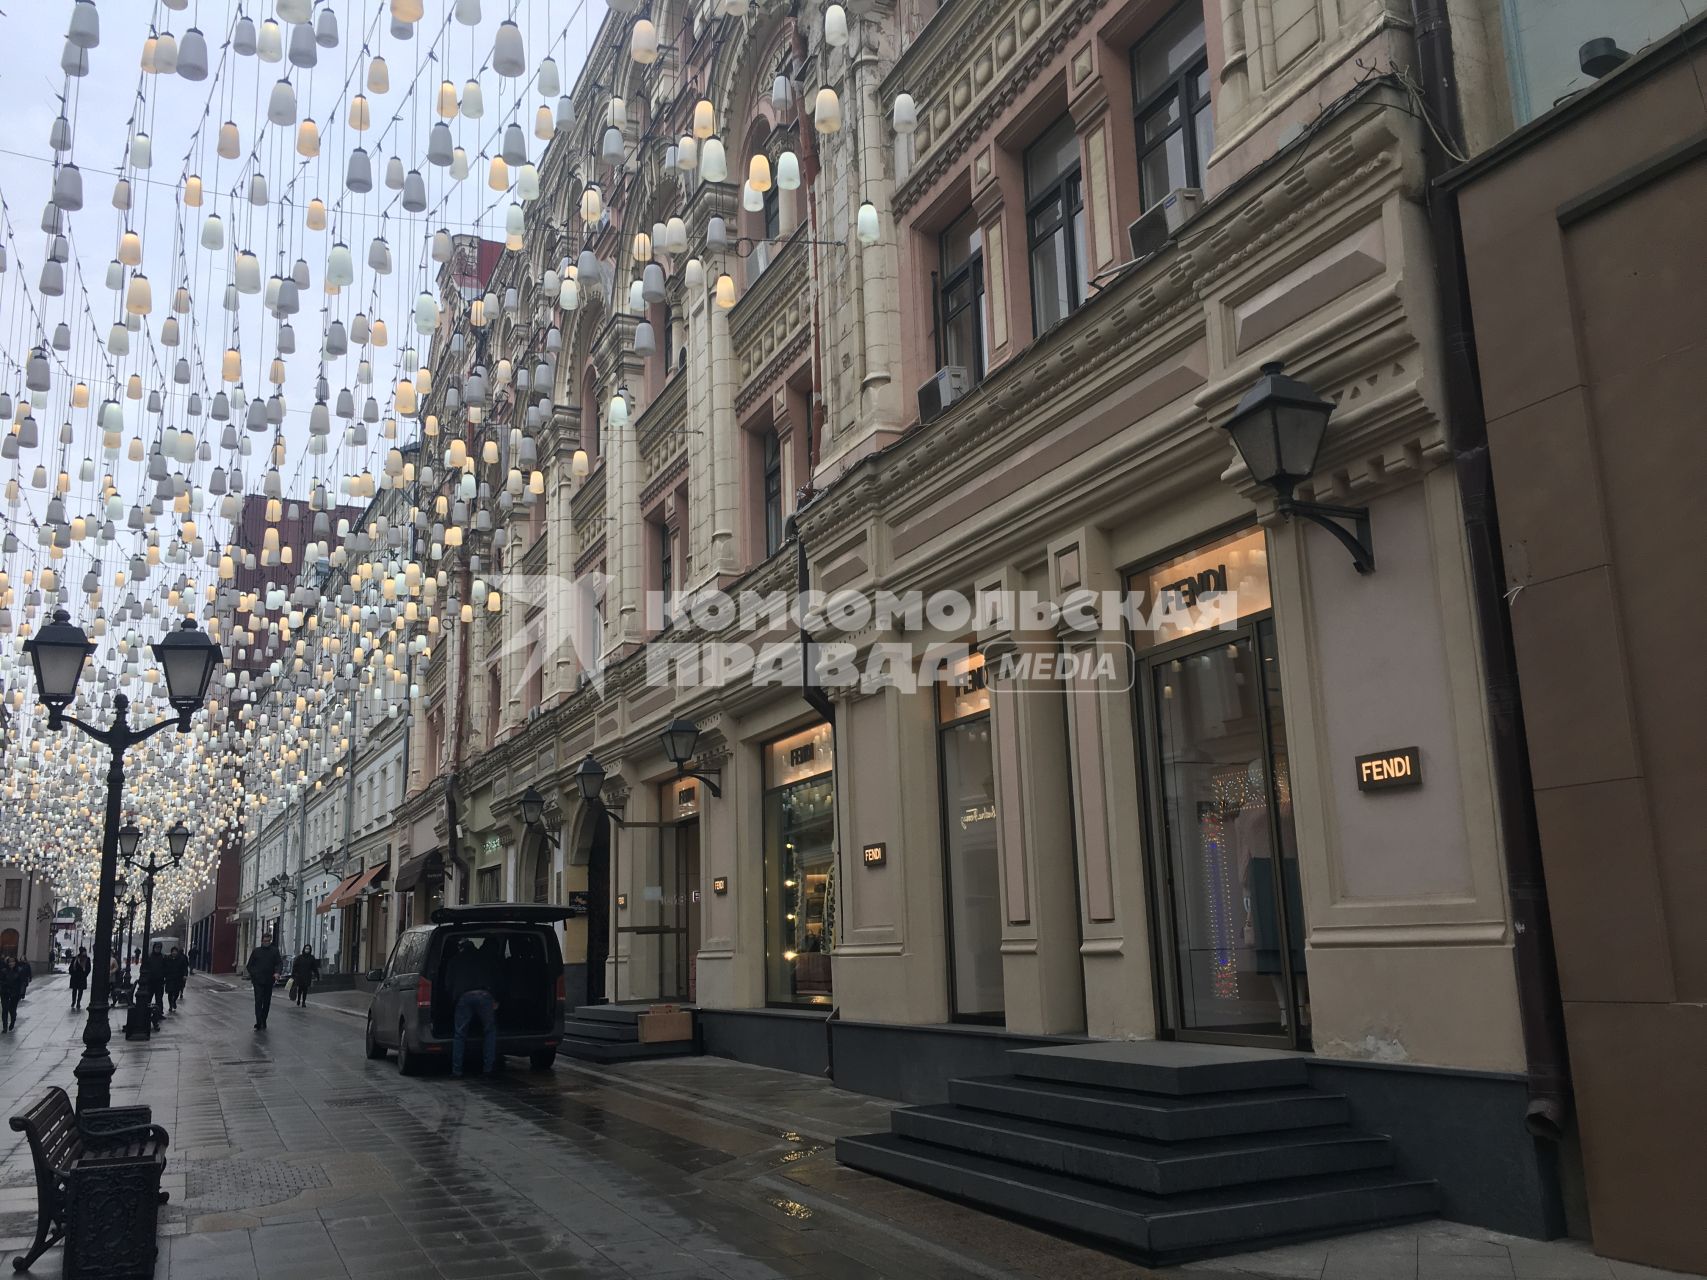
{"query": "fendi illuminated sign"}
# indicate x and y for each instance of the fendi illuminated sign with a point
(876, 855)
(1380, 770)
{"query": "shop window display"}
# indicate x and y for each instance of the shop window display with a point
(799, 867)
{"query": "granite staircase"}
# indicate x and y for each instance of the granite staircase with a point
(611, 1033)
(1164, 1151)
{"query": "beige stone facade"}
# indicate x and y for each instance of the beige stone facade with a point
(1087, 451)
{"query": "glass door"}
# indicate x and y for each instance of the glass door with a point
(1229, 858)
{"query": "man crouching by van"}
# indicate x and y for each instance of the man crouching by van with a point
(472, 978)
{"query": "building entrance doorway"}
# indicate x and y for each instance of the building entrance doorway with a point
(598, 908)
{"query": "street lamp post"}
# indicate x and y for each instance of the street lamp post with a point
(142, 1020)
(58, 652)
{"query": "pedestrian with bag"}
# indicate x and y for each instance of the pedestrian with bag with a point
(177, 974)
(262, 968)
(303, 971)
(79, 976)
(11, 990)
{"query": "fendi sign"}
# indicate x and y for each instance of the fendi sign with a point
(1381, 770)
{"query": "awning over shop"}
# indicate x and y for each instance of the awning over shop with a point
(422, 868)
(331, 900)
(353, 888)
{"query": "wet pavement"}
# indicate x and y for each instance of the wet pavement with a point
(295, 1158)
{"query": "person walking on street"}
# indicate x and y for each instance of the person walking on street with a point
(11, 988)
(177, 974)
(25, 972)
(303, 971)
(154, 980)
(471, 984)
(79, 976)
(262, 967)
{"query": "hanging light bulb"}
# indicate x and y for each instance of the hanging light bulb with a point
(835, 26)
(788, 172)
(229, 145)
(611, 150)
(759, 173)
(546, 79)
(192, 55)
(675, 236)
(713, 163)
(704, 119)
(445, 103)
(281, 103)
(315, 216)
(308, 136)
(85, 29)
(509, 56)
(543, 123)
(378, 75)
(498, 174)
(473, 100)
(616, 413)
(905, 114)
(139, 298)
(827, 114)
(409, 11)
(693, 275)
(592, 203)
(361, 119)
(687, 153)
(725, 291)
(192, 192)
(269, 42)
(130, 249)
(141, 151)
(643, 42)
(213, 232)
(866, 227)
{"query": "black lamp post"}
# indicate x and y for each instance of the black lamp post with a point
(533, 812)
(142, 1019)
(590, 781)
(680, 737)
(1278, 429)
(58, 652)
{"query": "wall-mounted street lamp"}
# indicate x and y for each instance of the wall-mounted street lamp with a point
(680, 737)
(1278, 430)
(533, 813)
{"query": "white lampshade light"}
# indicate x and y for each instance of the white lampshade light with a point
(713, 163)
(827, 113)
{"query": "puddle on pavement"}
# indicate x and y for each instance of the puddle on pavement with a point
(790, 1208)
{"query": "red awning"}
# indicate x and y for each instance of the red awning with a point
(331, 900)
(353, 888)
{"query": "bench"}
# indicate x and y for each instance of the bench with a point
(97, 1186)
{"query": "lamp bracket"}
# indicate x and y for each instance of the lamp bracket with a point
(1360, 544)
(711, 777)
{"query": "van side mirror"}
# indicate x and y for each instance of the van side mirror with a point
(376, 975)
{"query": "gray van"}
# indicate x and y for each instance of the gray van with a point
(412, 1013)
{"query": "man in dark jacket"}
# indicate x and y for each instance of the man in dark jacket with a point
(154, 981)
(11, 988)
(472, 981)
(79, 974)
(177, 974)
(303, 971)
(263, 965)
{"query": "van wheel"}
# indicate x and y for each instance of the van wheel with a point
(375, 1050)
(406, 1064)
(541, 1059)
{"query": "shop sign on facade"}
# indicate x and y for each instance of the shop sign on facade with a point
(1397, 767)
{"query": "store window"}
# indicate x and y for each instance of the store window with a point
(1055, 225)
(800, 892)
(1231, 925)
(972, 878)
(963, 331)
(14, 894)
(489, 884)
(1170, 83)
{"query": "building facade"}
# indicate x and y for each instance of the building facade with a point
(960, 312)
(1584, 277)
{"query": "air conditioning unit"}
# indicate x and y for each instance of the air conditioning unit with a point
(1162, 220)
(942, 389)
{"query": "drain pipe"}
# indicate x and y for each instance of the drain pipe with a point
(820, 702)
(1540, 1007)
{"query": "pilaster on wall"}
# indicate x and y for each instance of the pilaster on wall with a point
(891, 949)
(1107, 818)
(1042, 978)
(730, 972)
